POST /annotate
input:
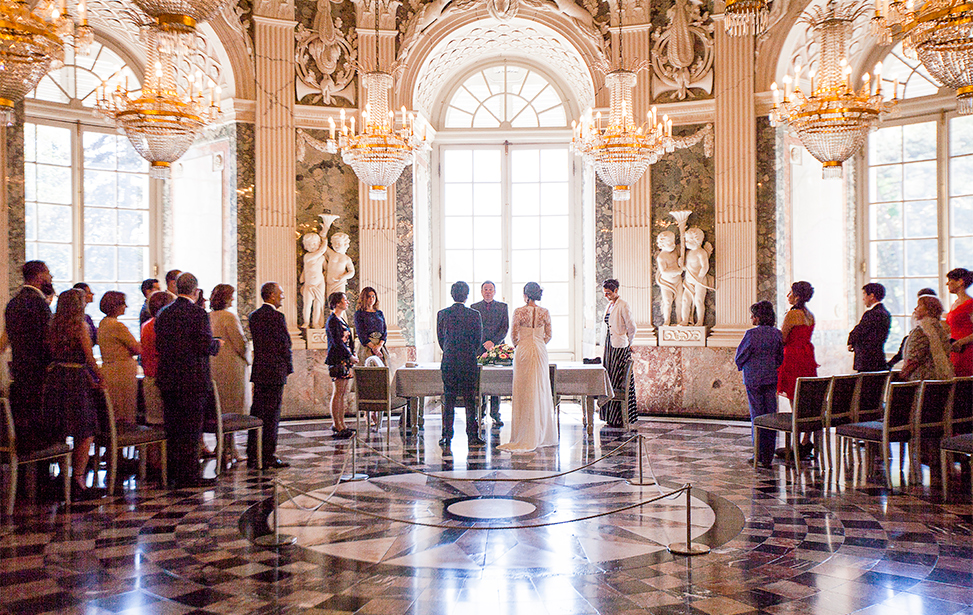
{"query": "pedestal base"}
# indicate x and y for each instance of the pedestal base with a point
(683, 336)
(317, 339)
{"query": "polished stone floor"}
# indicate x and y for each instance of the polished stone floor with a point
(484, 531)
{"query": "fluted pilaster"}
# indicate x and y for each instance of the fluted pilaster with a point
(736, 183)
(276, 152)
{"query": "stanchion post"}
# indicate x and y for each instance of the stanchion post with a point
(641, 481)
(354, 476)
(689, 547)
(275, 539)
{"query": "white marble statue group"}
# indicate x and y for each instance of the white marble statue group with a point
(326, 270)
(682, 275)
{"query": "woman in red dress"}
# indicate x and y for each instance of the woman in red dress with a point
(960, 321)
(797, 328)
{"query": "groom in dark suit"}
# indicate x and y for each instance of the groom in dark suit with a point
(867, 339)
(459, 328)
(271, 366)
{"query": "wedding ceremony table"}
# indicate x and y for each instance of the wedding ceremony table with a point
(573, 379)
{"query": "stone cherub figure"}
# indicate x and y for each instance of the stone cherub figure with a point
(326, 270)
(668, 274)
(694, 285)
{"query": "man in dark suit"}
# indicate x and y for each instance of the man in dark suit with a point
(26, 319)
(271, 366)
(184, 342)
(458, 328)
(867, 339)
(493, 315)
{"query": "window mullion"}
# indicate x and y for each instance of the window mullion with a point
(505, 191)
(942, 204)
(77, 179)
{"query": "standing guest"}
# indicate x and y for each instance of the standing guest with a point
(118, 351)
(89, 297)
(149, 286)
(230, 365)
(68, 398)
(372, 332)
(960, 321)
(912, 325)
(927, 351)
(459, 331)
(185, 343)
(150, 361)
(799, 362)
(493, 315)
(759, 355)
(341, 358)
(867, 339)
(171, 278)
(26, 318)
(619, 335)
(271, 366)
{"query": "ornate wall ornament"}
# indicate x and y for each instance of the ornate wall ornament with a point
(326, 58)
(239, 19)
(274, 9)
(682, 55)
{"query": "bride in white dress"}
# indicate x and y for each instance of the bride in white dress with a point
(533, 423)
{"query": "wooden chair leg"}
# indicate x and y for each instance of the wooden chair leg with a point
(827, 447)
(65, 464)
(164, 463)
(12, 490)
(886, 459)
(260, 451)
(112, 470)
(944, 459)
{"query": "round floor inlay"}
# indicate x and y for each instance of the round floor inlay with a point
(491, 508)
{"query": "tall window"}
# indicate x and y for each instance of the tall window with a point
(506, 207)
(87, 190)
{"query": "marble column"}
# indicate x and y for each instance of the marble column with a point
(632, 219)
(376, 219)
(275, 151)
(736, 183)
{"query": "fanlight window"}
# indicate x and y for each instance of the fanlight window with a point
(81, 75)
(914, 80)
(506, 97)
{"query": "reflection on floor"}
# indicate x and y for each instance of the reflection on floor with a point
(813, 543)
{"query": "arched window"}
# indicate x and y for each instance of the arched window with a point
(505, 204)
(914, 80)
(87, 192)
(506, 96)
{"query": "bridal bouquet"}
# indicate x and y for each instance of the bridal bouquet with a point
(501, 354)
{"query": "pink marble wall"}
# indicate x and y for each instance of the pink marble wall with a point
(685, 381)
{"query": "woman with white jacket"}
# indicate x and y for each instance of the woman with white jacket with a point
(620, 332)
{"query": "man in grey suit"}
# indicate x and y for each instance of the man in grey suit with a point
(493, 315)
(458, 328)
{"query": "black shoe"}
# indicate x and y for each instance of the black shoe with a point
(806, 450)
(277, 463)
(476, 441)
(444, 442)
(85, 494)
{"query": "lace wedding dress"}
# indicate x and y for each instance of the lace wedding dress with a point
(533, 423)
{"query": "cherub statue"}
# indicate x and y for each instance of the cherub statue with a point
(314, 286)
(694, 286)
(668, 274)
(339, 268)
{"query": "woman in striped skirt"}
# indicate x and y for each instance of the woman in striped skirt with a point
(620, 331)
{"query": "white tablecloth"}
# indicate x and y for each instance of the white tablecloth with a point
(425, 380)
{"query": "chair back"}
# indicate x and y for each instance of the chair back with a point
(871, 396)
(809, 397)
(553, 371)
(842, 399)
(372, 385)
(900, 407)
(8, 443)
(930, 415)
(961, 407)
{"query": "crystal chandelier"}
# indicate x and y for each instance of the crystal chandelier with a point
(176, 20)
(378, 152)
(163, 119)
(833, 121)
(30, 46)
(939, 33)
(743, 17)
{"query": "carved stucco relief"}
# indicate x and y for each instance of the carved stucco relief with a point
(682, 52)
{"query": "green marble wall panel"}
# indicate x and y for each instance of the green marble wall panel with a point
(14, 185)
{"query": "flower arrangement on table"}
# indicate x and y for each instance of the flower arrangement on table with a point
(501, 354)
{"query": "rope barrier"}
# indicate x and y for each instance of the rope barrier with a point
(500, 480)
(676, 492)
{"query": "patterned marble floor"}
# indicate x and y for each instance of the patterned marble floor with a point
(813, 543)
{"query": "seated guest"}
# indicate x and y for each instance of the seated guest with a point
(118, 351)
(90, 324)
(927, 351)
(68, 394)
(149, 286)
